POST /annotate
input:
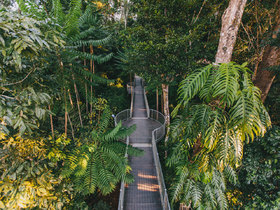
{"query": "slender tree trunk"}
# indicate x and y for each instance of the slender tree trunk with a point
(65, 113)
(161, 103)
(92, 70)
(271, 57)
(230, 23)
(69, 119)
(64, 93)
(78, 101)
(157, 99)
(85, 64)
(71, 126)
(166, 106)
(65, 101)
(70, 99)
(51, 119)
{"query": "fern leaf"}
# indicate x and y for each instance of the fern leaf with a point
(196, 194)
(226, 85)
(190, 86)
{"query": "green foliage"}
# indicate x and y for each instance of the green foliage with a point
(273, 102)
(169, 39)
(258, 21)
(21, 37)
(41, 79)
(21, 107)
(219, 109)
(27, 178)
(100, 164)
(260, 174)
(101, 206)
(22, 111)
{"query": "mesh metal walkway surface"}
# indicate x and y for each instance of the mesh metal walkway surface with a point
(143, 193)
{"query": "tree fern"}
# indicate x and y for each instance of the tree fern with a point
(219, 109)
(57, 11)
(87, 43)
(226, 85)
(193, 84)
(101, 164)
(32, 9)
(196, 194)
(72, 18)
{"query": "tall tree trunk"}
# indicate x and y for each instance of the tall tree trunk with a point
(78, 101)
(65, 113)
(157, 99)
(71, 126)
(65, 101)
(70, 99)
(70, 122)
(91, 70)
(271, 57)
(51, 119)
(166, 106)
(230, 23)
(85, 64)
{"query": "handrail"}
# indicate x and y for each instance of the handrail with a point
(122, 189)
(157, 134)
(162, 187)
(145, 99)
(159, 117)
(132, 100)
(123, 115)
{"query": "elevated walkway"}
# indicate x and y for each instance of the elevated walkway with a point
(148, 190)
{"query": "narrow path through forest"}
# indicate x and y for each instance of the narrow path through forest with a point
(143, 193)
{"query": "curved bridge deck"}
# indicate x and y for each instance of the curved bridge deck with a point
(144, 192)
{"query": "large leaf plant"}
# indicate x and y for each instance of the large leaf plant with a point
(219, 110)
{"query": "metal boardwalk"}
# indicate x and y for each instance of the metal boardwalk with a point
(144, 192)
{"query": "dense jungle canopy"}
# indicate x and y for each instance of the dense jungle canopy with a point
(212, 67)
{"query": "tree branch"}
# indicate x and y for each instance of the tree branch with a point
(20, 80)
